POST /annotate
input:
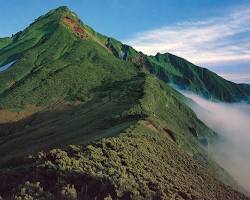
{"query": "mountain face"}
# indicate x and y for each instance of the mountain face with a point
(82, 117)
(187, 76)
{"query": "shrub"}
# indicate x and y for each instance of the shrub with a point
(32, 191)
(69, 192)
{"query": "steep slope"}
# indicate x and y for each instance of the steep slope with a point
(5, 41)
(185, 75)
(47, 52)
(134, 137)
(199, 80)
(33, 45)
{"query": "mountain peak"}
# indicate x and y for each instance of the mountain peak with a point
(63, 8)
(61, 16)
(61, 12)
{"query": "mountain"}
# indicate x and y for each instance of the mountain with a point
(187, 76)
(5, 41)
(82, 117)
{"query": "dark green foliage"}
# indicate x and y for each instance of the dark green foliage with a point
(69, 192)
(139, 164)
(32, 191)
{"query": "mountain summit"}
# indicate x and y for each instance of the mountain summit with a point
(83, 116)
(60, 31)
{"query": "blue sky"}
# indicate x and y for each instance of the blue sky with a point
(214, 34)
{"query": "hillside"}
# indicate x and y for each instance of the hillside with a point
(5, 41)
(33, 45)
(148, 153)
(82, 118)
(185, 75)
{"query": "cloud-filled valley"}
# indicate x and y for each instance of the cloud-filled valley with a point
(232, 123)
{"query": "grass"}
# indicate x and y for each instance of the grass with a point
(125, 167)
(5, 42)
(99, 121)
(185, 75)
(144, 147)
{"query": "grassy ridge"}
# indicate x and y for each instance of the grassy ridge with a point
(126, 167)
(38, 45)
(104, 114)
(37, 76)
(133, 136)
(144, 149)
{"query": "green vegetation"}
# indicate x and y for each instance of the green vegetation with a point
(82, 118)
(145, 148)
(39, 52)
(37, 77)
(186, 75)
(5, 41)
(127, 167)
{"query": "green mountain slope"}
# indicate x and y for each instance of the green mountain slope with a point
(49, 49)
(185, 75)
(199, 80)
(5, 41)
(33, 45)
(146, 150)
(81, 118)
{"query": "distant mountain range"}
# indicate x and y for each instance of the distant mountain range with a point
(83, 116)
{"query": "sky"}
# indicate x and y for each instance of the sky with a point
(210, 33)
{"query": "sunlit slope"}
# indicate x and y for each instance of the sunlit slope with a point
(185, 75)
(49, 41)
(54, 64)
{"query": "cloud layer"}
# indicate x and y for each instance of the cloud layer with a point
(214, 41)
(219, 39)
(232, 122)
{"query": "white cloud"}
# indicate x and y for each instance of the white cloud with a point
(215, 40)
(231, 121)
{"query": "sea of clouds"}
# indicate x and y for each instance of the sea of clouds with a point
(232, 122)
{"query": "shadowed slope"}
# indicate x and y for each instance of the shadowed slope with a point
(152, 156)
